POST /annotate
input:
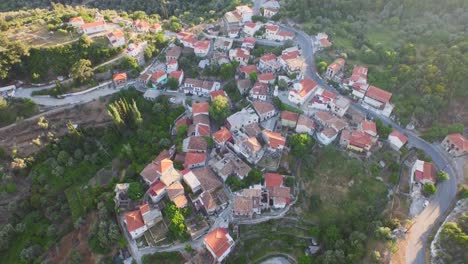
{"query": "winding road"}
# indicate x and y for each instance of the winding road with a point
(445, 196)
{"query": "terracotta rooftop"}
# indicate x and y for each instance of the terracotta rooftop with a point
(194, 158)
(93, 24)
(273, 180)
(120, 76)
(252, 144)
(197, 143)
(266, 77)
(458, 140)
(290, 116)
(369, 126)
(248, 69)
(306, 121)
(222, 135)
(428, 173)
(401, 136)
(157, 187)
(176, 74)
(275, 140)
(263, 107)
(243, 205)
(306, 86)
(200, 108)
(134, 220)
(218, 241)
(214, 94)
(268, 57)
(360, 139)
(378, 94)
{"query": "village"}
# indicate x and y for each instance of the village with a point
(193, 177)
(190, 184)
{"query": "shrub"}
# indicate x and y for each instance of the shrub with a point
(429, 189)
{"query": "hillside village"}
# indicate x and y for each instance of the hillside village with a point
(192, 185)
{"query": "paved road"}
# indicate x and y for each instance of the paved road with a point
(440, 203)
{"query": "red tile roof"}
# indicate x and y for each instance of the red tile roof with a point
(183, 121)
(250, 24)
(306, 121)
(222, 135)
(76, 19)
(325, 43)
(400, 136)
(428, 173)
(369, 126)
(360, 139)
(192, 158)
(275, 140)
(273, 180)
(120, 76)
(272, 28)
(93, 24)
(268, 57)
(266, 77)
(176, 74)
(337, 65)
(156, 26)
(203, 45)
(218, 241)
(286, 34)
(263, 107)
(157, 187)
(248, 69)
(378, 94)
(249, 40)
(458, 140)
(328, 94)
(307, 85)
(214, 94)
(116, 34)
(200, 108)
(260, 88)
(290, 116)
(134, 220)
(155, 77)
(290, 55)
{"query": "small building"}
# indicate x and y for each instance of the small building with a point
(424, 172)
(155, 28)
(116, 39)
(274, 141)
(246, 70)
(267, 78)
(172, 66)
(377, 97)
(359, 141)
(305, 125)
(302, 91)
(194, 144)
(242, 118)
(243, 85)
(139, 221)
(201, 48)
(231, 165)
(159, 78)
(240, 55)
(200, 108)
(368, 127)
(219, 243)
(173, 53)
(340, 105)
(217, 93)
(222, 136)
(455, 144)
(157, 191)
(76, 22)
(194, 160)
(140, 25)
(248, 43)
(289, 119)
(335, 70)
(93, 27)
(178, 75)
(259, 91)
(397, 139)
(327, 136)
(7, 91)
(119, 80)
(270, 8)
(251, 27)
(176, 194)
(264, 110)
(269, 63)
(223, 44)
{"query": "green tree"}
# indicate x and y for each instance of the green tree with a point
(321, 67)
(219, 109)
(253, 76)
(3, 103)
(429, 189)
(442, 176)
(382, 129)
(81, 70)
(301, 144)
(255, 176)
(135, 191)
(173, 83)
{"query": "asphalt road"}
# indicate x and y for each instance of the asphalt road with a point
(440, 203)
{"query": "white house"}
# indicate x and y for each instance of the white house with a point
(264, 110)
(201, 48)
(242, 118)
(259, 91)
(327, 136)
(240, 55)
(271, 31)
(245, 12)
(340, 105)
(397, 139)
(270, 8)
(269, 63)
(157, 191)
(76, 22)
(219, 243)
(172, 66)
(424, 172)
(139, 221)
(93, 27)
(116, 39)
(305, 125)
(179, 75)
(191, 180)
(302, 91)
(251, 27)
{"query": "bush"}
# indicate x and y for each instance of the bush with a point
(429, 189)
(135, 191)
(442, 176)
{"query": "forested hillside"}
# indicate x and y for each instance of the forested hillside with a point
(192, 10)
(416, 49)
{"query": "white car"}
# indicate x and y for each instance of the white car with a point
(172, 100)
(426, 203)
